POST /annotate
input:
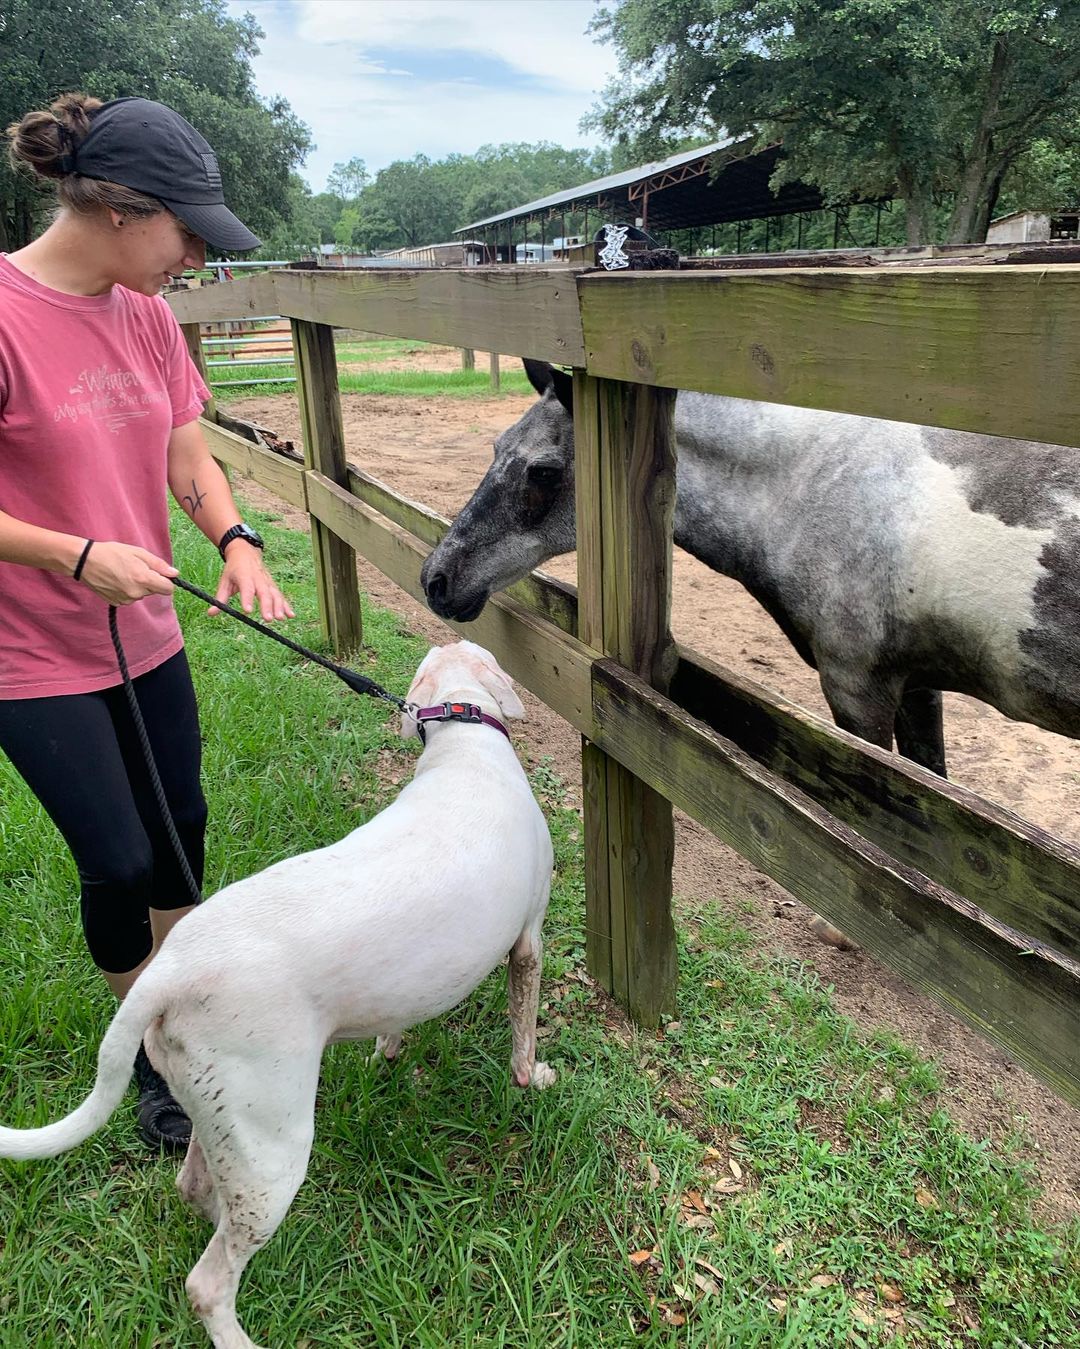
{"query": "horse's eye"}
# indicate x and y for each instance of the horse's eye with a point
(545, 476)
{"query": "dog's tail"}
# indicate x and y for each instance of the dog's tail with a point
(115, 1060)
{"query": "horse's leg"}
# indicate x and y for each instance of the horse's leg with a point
(862, 704)
(920, 731)
(868, 708)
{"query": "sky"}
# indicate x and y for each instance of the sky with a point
(389, 79)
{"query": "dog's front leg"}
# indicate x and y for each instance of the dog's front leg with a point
(523, 992)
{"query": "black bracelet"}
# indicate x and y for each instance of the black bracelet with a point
(77, 573)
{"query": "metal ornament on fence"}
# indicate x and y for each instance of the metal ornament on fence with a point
(612, 257)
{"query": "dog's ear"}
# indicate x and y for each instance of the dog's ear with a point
(494, 680)
(421, 691)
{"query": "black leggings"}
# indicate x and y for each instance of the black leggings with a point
(80, 755)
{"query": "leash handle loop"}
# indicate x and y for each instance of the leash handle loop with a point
(77, 573)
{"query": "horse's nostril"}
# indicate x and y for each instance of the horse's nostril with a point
(435, 586)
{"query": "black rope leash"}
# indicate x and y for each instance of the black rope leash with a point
(148, 755)
(357, 682)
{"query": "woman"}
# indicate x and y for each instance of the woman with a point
(99, 402)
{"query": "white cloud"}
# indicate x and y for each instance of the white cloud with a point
(529, 72)
(544, 39)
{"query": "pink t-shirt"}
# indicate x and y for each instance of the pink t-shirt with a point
(91, 387)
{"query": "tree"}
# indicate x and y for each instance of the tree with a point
(325, 210)
(187, 53)
(422, 201)
(1047, 177)
(871, 98)
(411, 195)
(347, 181)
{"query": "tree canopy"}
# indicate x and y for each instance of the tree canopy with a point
(421, 201)
(189, 54)
(921, 99)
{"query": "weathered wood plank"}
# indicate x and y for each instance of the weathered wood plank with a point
(605, 932)
(271, 470)
(1019, 993)
(193, 338)
(324, 451)
(554, 665)
(600, 940)
(518, 311)
(625, 486)
(1017, 872)
(587, 492)
(978, 349)
(250, 296)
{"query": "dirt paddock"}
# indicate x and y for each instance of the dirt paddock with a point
(435, 451)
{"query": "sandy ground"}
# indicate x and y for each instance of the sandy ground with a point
(436, 451)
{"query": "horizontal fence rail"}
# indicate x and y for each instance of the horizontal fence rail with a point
(965, 900)
(989, 349)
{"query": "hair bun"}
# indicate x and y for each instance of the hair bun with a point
(42, 140)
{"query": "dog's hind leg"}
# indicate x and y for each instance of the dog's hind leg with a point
(256, 1141)
(523, 993)
(195, 1183)
(386, 1047)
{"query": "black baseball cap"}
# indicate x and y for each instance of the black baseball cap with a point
(148, 147)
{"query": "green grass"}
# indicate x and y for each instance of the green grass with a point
(382, 349)
(415, 383)
(444, 1208)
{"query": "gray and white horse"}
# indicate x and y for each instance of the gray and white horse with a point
(898, 559)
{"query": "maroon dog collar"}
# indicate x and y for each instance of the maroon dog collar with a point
(454, 712)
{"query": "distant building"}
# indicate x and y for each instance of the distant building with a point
(1034, 227)
(530, 252)
(725, 181)
(456, 253)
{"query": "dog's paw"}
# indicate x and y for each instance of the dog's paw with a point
(542, 1076)
(386, 1047)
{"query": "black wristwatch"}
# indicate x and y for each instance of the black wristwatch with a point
(240, 531)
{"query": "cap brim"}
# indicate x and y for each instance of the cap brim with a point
(217, 225)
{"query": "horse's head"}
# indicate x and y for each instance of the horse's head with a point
(521, 514)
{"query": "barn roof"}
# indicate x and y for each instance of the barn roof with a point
(727, 180)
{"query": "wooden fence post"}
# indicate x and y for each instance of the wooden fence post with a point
(625, 476)
(324, 451)
(468, 358)
(493, 366)
(193, 337)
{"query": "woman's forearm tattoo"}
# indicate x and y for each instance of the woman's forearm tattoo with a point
(194, 500)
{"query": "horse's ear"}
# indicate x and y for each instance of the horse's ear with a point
(539, 373)
(563, 384)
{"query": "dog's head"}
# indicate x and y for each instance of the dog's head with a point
(460, 672)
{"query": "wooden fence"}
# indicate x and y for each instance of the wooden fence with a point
(969, 903)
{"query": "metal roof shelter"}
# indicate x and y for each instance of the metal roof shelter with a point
(676, 193)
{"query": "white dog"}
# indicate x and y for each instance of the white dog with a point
(391, 926)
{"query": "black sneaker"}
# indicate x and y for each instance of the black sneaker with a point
(162, 1122)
